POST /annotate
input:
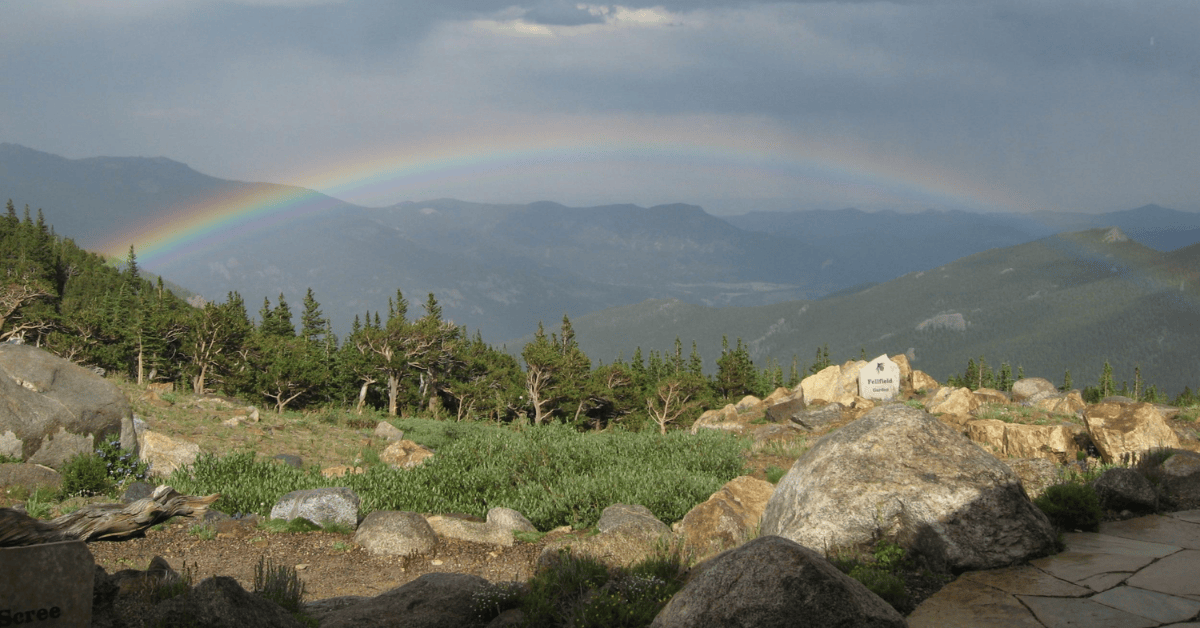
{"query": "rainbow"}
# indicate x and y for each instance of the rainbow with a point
(195, 227)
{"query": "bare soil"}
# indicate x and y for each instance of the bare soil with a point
(330, 565)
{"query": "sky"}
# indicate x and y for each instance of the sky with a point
(1022, 105)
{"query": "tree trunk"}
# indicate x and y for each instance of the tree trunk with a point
(393, 393)
(362, 397)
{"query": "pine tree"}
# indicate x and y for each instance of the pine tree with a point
(1067, 383)
(312, 321)
(1106, 385)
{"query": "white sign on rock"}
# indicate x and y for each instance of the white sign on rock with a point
(879, 379)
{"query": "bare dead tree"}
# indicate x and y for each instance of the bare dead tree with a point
(101, 522)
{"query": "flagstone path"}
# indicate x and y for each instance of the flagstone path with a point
(1142, 572)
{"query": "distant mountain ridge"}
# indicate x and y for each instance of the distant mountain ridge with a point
(1068, 301)
(502, 268)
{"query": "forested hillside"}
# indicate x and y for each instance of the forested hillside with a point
(1067, 302)
(67, 300)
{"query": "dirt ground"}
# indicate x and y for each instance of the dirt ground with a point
(329, 564)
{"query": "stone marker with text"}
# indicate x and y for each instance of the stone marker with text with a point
(46, 585)
(879, 380)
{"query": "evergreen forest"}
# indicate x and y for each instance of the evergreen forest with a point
(113, 318)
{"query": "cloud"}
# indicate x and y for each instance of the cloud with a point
(1063, 103)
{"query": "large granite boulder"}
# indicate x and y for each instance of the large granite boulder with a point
(1058, 443)
(435, 600)
(322, 506)
(833, 384)
(53, 409)
(772, 582)
(899, 473)
(395, 533)
(956, 403)
(1122, 432)
(727, 518)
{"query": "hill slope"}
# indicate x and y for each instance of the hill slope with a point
(1068, 301)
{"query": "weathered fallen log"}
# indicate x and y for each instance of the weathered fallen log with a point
(102, 522)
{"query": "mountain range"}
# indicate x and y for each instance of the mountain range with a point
(626, 275)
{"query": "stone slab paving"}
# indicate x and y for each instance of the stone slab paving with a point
(1192, 516)
(1076, 567)
(1071, 612)
(1177, 574)
(1151, 604)
(1134, 573)
(1156, 529)
(965, 603)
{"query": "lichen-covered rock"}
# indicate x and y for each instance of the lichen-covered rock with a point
(727, 518)
(1125, 431)
(948, 400)
(772, 582)
(1037, 474)
(322, 506)
(920, 380)
(1016, 440)
(899, 473)
(54, 409)
(165, 454)
(833, 384)
(404, 454)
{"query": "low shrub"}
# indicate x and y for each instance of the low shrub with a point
(122, 465)
(1071, 506)
(85, 475)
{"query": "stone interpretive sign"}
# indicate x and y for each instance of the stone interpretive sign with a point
(879, 380)
(46, 585)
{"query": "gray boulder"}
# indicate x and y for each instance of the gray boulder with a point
(29, 476)
(1181, 479)
(509, 519)
(626, 535)
(818, 418)
(899, 473)
(1121, 488)
(394, 533)
(772, 582)
(322, 506)
(435, 600)
(783, 412)
(1024, 389)
(636, 519)
(220, 602)
(55, 409)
